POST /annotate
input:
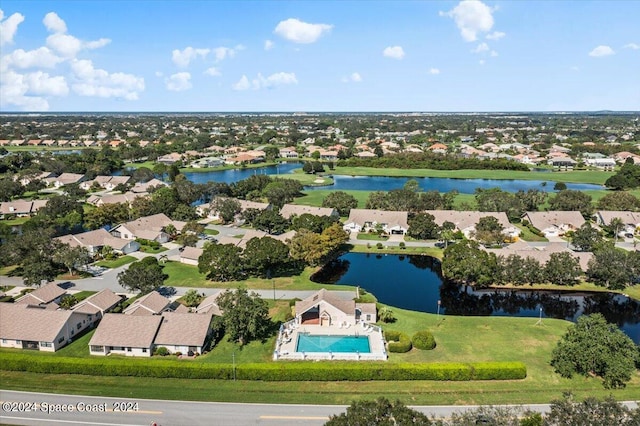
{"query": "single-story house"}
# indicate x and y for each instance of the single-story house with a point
(125, 335)
(363, 220)
(36, 328)
(184, 332)
(466, 221)
(21, 208)
(98, 304)
(150, 304)
(190, 255)
(107, 182)
(288, 152)
(27, 179)
(126, 198)
(47, 294)
(325, 309)
(542, 254)
(64, 179)
(144, 187)
(555, 223)
(601, 163)
(562, 162)
(93, 241)
(169, 159)
(289, 210)
(212, 213)
(148, 228)
(631, 220)
(252, 233)
(210, 305)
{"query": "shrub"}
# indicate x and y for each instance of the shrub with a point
(162, 351)
(275, 371)
(398, 341)
(379, 246)
(423, 340)
(402, 245)
(386, 315)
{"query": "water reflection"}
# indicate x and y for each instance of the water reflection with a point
(415, 282)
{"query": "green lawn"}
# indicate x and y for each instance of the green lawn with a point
(211, 232)
(463, 339)
(371, 236)
(8, 270)
(81, 295)
(15, 221)
(151, 250)
(182, 275)
(429, 251)
(527, 235)
(575, 176)
(308, 179)
(315, 197)
(116, 263)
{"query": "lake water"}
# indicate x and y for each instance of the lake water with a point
(414, 282)
(384, 183)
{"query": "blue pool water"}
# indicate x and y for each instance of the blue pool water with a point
(314, 343)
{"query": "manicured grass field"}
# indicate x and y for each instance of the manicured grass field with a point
(527, 235)
(315, 197)
(116, 263)
(429, 251)
(464, 339)
(308, 179)
(575, 176)
(152, 250)
(211, 232)
(182, 275)
(15, 221)
(81, 295)
(371, 237)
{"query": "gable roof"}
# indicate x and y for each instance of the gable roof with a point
(628, 218)
(144, 187)
(95, 238)
(183, 329)
(289, 210)
(45, 294)
(346, 306)
(555, 218)
(467, 219)
(192, 253)
(99, 302)
(391, 218)
(126, 331)
(23, 322)
(149, 304)
(210, 305)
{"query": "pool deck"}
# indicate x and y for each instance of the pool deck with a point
(288, 340)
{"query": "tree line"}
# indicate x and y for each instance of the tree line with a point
(431, 161)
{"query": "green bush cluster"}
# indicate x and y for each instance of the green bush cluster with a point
(281, 371)
(148, 243)
(423, 340)
(399, 342)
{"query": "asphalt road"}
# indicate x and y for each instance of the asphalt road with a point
(47, 409)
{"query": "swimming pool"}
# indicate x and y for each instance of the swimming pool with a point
(318, 343)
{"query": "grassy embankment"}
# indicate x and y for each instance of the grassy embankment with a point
(463, 339)
(116, 263)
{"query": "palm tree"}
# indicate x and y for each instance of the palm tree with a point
(616, 225)
(163, 258)
(171, 230)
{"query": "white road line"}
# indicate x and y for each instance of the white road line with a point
(50, 420)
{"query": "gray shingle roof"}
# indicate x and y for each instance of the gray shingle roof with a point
(126, 331)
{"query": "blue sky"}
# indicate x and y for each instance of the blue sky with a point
(465, 55)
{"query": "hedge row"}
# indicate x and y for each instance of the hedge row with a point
(280, 371)
(399, 342)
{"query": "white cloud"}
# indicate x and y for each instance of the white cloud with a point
(471, 17)
(601, 51)
(182, 58)
(395, 52)
(40, 83)
(159, 73)
(434, 71)
(298, 31)
(179, 82)
(9, 27)
(13, 92)
(496, 35)
(493, 54)
(222, 53)
(242, 84)
(268, 45)
(632, 46)
(41, 57)
(54, 23)
(354, 78)
(481, 61)
(66, 44)
(213, 72)
(92, 81)
(482, 47)
(274, 80)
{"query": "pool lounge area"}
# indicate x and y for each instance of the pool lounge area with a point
(323, 342)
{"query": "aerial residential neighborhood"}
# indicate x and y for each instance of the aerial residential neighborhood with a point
(320, 213)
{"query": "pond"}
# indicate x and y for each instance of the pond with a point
(414, 282)
(385, 183)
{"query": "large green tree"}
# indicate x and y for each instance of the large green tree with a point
(489, 230)
(341, 201)
(562, 268)
(264, 256)
(423, 226)
(619, 201)
(612, 268)
(379, 412)
(245, 315)
(227, 208)
(271, 221)
(143, 276)
(71, 257)
(569, 199)
(221, 262)
(593, 346)
(465, 262)
(586, 238)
